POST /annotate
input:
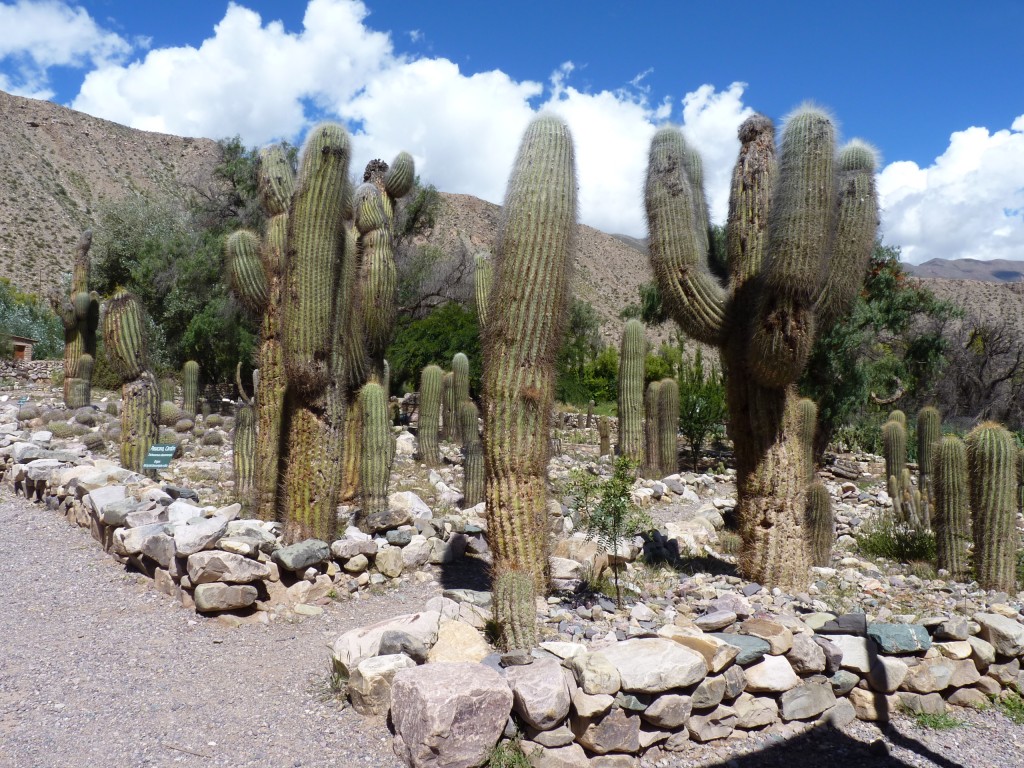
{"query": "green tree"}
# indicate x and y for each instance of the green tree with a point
(702, 404)
(883, 343)
(24, 314)
(581, 345)
(435, 338)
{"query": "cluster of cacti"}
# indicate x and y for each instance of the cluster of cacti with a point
(431, 379)
(323, 278)
(378, 449)
(992, 468)
(906, 500)
(799, 237)
(952, 515)
(190, 387)
(140, 393)
(473, 466)
(632, 353)
(523, 332)
(80, 315)
(668, 427)
(652, 441)
(820, 523)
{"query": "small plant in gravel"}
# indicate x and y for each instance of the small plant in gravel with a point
(1012, 705)
(508, 754)
(936, 722)
(893, 540)
(605, 512)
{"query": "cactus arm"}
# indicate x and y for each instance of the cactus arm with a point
(276, 180)
(246, 275)
(483, 277)
(753, 180)
(678, 244)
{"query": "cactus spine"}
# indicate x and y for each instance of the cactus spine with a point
(631, 391)
(378, 450)
(190, 387)
(604, 435)
(929, 432)
(992, 464)
(799, 237)
(668, 427)
(821, 523)
(899, 417)
(524, 329)
(244, 457)
(652, 465)
(483, 278)
(126, 349)
(430, 414)
(473, 464)
(952, 516)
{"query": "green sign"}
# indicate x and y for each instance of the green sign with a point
(22, 400)
(159, 456)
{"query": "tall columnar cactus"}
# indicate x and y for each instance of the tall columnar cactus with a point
(807, 411)
(244, 457)
(167, 387)
(460, 391)
(799, 238)
(524, 329)
(1020, 481)
(473, 464)
(898, 416)
(952, 515)
(894, 446)
(992, 466)
(80, 313)
(378, 450)
(604, 436)
(668, 427)
(590, 414)
(632, 352)
(652, 447)
(821, 523)
(483, 279)
(315, 257)
(430, 415)
(448, 429)
(140, 393)
(929, 432)
(190, 387)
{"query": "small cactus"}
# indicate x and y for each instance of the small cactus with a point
(929, 432)
(590, 414)
(952, 515)
(430, 412)
(190, 387)
(631, 391)
(604, 434)
(378, 450)
(514, 601)
(807, 411)
(460, 392)
(820, 524)
(668, 427)
(992, 463)
(652, 465)
(244, 457)
(473, 464)
(898, 416)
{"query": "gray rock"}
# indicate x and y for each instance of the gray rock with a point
(751, 649)
(717, 724)
(107, 495)
(298, 557)
(833, 654)
(615, 731)
(806, 656)
(669, 711)
(389, 562)
(772, 675)
(930, 675)
(735, 681)
(595, 673)
(370, 685)
(387, 519)
(223, 597)
(843, 682)
(159, 547)
(363, 642)
(709, 693)
(900, 638)
(887, 674)
(755, 711)
(131, 538)
(927, 704)
(394, 641)
(448, 714)
(540, 695)
(806, 701)
(116, 513)
(562, 736)
(715, 620)
(1005, 635)
(216, 566)
(654, 664)
(198, 534)
(953, 628)
(858, 652)
(343, 549)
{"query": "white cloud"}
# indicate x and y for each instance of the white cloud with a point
(969, 203)
(40, 34)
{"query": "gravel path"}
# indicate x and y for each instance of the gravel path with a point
(99, 669)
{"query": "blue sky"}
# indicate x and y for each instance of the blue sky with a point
(935, 86)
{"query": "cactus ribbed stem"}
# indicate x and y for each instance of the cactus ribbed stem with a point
(483, 278)
(929, 433)
(652, 463)
(460, 392)
(632, 352)
(140, 419)
(820, 523)
(473, 465)
(448, 429)
(430, 415)
(524, 330)
(952, 515)
(190, 387)
(668, 427)
(899, 417)
(244, 457)
(604, 434)
(123, 336)
(894, 445)
(992, 463)
(514, 603)
(378, 450)
(808, 415)
(244, 266)
(80, 316)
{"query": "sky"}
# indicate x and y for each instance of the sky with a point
(935, 86)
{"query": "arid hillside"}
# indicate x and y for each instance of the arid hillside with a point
(994, 271)
(57, 165)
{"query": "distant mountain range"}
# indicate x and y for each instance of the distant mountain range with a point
(995, 271)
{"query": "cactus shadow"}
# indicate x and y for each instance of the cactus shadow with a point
(465, 573)
(661, 550)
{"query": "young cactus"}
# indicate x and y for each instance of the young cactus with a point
(632, 353)
(79, 314)
(431, 379)
(808, 415)
(524, 330)
(952, 515)
(190, 387)
(244, 457)
(821, 523)
(604, 435)
(929, 432)
(473, 464)
(652, 465)
(378, 453)
(992, 464)
(668, 427)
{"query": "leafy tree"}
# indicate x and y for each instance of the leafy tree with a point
(702, 404)
(24, 314)
(884, 342)
(581, 345)
(649, 309)
(435, 338)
